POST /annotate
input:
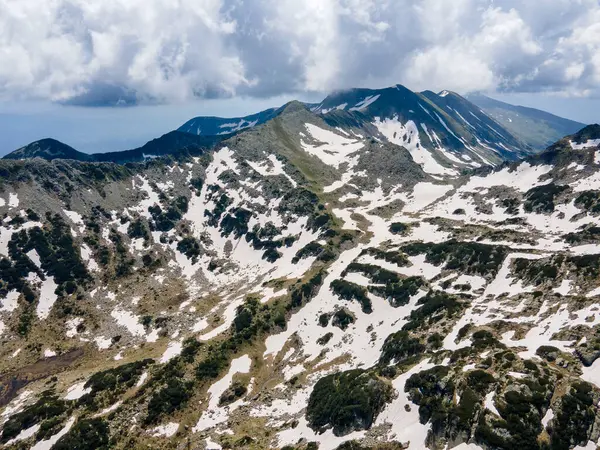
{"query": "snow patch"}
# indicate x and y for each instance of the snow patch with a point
(407, 136)
(365, 103)
(166, 430)
(215, 414)
(173, 349)
(77, 391)
(587, 144)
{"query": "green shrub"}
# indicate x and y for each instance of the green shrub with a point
(169, 399)
(311, 249)
(272, 255)
(232, 393)
(302, 293)
(87, 434)
(399, 293)
(197, 184)
(398, 228)
(511, 205)
(573, 423)
(394, 257)
(433, 391)
(589, 201)
(435, 306)
(483, 339)
(221, 205)
(235, 222)
(400, 346)
(471, 258)
(323, 340)
(46, 407)
(548, 352)
(347, 401)
(480, 381)
(138, 229)
(190, 247)
(587, 234)
(351, 291)
(343, 318)
(540, 199)
(127, 375)
(376, 274)
(324, 319)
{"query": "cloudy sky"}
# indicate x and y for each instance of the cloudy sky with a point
(65, 64)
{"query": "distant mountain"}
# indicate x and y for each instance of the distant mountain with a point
(536, 128)
(444, 133)
(586, 137)
(214, 126)
(172, 143)
(582, 148)
(48, 149)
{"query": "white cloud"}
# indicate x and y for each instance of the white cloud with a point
(160, 48)
(168, 50)
(311, 29)
(451, 67)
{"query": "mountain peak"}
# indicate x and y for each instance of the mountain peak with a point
(445, 93)
(588, 133)
(292, 107)
(49, 149)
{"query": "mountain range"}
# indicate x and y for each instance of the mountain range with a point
(447, 125)
(538, 128)
(384, 270)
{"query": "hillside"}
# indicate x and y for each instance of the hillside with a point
(536, 128)
(440, 138)
(307, 283)
(49, 149)
(213, 126)
(173, 143)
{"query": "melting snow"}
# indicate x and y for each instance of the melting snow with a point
(489, 403)
(592, 374)
(405, 424)
(102, 342)
(49, 443)
(128, 320)
(9, 303)
(77, 391)
(13, 200)
(407, 136)
(548, 417)
(423, 195)
(142, 379)
(587, 144)
(173, 349)
(166, 430)
(47, 297)
(276, 168)
(334, 150)
(72, 325)
(365, 103)
(109, 409)
(215, 414)
(24, 434)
